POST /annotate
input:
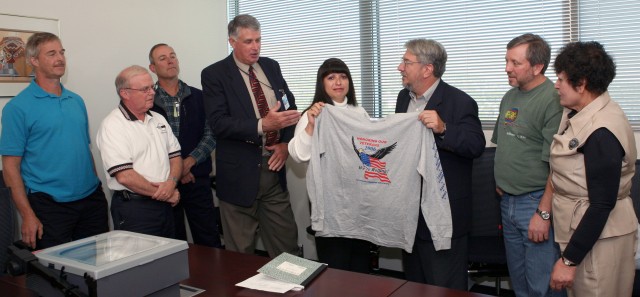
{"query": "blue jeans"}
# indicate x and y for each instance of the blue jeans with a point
(530, 263)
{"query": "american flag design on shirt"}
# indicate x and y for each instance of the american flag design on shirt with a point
(374, 167)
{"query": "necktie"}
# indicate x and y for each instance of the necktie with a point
(261, 102)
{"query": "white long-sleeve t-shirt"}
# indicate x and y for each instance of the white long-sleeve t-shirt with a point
(300, 144)
(364, 180)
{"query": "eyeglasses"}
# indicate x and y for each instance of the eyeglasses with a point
(146, 89)
(407, 62)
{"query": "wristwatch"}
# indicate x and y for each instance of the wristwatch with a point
(545, 215)
(567, 262)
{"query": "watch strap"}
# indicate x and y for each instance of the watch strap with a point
(568, 262)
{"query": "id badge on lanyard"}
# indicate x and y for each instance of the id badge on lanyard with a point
(285, 100)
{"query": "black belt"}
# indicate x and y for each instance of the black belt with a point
(128, 195)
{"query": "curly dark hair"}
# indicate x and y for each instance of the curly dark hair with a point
(586, 63)
(329, 66)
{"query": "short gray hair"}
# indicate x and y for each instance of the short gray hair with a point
(35, 41)
(122, 80)
(242, 21)
(429, 51)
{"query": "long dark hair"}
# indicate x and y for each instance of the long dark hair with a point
(329, 66)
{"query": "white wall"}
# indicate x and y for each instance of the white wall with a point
(103, 37)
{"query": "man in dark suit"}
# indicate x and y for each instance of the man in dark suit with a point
(452, 115)
(253, 115)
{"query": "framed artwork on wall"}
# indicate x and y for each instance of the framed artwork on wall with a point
(13, 58)
(15, 73)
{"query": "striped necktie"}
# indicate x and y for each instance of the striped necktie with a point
(263, 106)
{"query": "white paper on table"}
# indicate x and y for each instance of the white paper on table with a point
(263, 282)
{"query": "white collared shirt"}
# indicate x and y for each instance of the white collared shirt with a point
(418, 103)
(144, 146)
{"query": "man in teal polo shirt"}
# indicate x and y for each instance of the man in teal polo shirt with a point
(46, 157)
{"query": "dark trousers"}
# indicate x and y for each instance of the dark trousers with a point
(444, 268)
(196, 200)
(68, 221)
(344, 253)
(145, 216)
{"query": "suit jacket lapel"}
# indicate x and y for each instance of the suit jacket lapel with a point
(241, 93)
(403, 102)
(271, 75)
(436, 98)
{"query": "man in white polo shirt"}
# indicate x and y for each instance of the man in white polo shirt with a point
(141, 158)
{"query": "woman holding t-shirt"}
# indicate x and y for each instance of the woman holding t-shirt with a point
(334, 86)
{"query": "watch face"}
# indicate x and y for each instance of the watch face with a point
(545, 215)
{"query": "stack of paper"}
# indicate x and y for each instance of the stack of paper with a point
(264, 283)
(283, 273)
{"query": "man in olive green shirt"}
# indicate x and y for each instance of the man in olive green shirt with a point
(529, 117)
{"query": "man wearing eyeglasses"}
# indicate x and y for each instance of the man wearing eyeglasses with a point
(141, 158)
(253, 114)
(46, 155)
(452, 116)
(183, 108)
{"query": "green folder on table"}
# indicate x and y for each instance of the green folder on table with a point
(292, 269)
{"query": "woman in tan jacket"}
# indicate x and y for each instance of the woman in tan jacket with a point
(592, 161)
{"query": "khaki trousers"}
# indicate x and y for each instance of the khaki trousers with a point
(608, 269)
(270, 215)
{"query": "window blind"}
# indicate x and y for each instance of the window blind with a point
(369, 35)
(615, 24)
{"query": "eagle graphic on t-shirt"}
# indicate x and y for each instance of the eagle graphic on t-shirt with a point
(374, 168)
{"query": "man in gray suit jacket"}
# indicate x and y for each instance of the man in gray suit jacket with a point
(253, 114)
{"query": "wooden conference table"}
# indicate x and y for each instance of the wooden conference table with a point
(217, 271)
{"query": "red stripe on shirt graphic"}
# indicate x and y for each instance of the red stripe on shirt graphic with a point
(374, 168)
